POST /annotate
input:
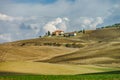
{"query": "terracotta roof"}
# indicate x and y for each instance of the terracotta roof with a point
(58, 31)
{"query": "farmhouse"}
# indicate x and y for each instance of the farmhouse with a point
(58, 33)
(70, 34)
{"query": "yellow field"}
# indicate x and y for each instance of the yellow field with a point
(99, 51)
(32, 53)
(107, 54)
(50, 69)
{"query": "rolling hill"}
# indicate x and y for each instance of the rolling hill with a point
(104, 51)
(97, 50)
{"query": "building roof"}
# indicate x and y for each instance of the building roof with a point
(58, 31)
(70, 33)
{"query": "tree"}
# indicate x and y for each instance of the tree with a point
(83, 31)
(40, 36)
(48, 33)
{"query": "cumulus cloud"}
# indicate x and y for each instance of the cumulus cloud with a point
(113, 15)
(5, 37)
(89, 23)
(58, 23)
(28, 27)
(4, 17)
(96, 22)
(67, 15)
(35, 28)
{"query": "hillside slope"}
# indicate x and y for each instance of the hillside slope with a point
(95, 47)
(51, 69)
(103, 53)
(105, 50)
(92, 52)
(104, 35)
(31, 53)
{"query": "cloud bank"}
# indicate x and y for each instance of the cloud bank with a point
(4, 17)
(24, 20)
(90, 23)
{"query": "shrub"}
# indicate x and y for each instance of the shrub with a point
(74, 45)
(68, 45)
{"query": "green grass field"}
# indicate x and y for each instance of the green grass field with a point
(100, 76)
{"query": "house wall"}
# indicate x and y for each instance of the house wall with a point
(58, 33)
(70, 34)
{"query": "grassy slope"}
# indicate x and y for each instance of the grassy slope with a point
(32, 53)
(105, 35)
(112, 75)
(103, 76)
(100, 48)
(50, 69)
(102, 53)
(106, 50)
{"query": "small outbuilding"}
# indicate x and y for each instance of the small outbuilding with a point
(70, 34)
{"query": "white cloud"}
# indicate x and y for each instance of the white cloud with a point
(87, 21)
(5, 17)
(96, 22)
(66, 19)
(58, 23)
(5, 37)
(35, 28)
(59, 8)
(64, 24)
(62, 14)
(113, 15)
(90, 23)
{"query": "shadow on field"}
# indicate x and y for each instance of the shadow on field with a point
(110, 72)
(12, 73)
(15, 73)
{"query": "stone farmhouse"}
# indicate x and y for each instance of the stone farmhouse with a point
(58, 33)
(61, 33)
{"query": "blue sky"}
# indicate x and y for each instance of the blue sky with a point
(24, 19)
(35, 1)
